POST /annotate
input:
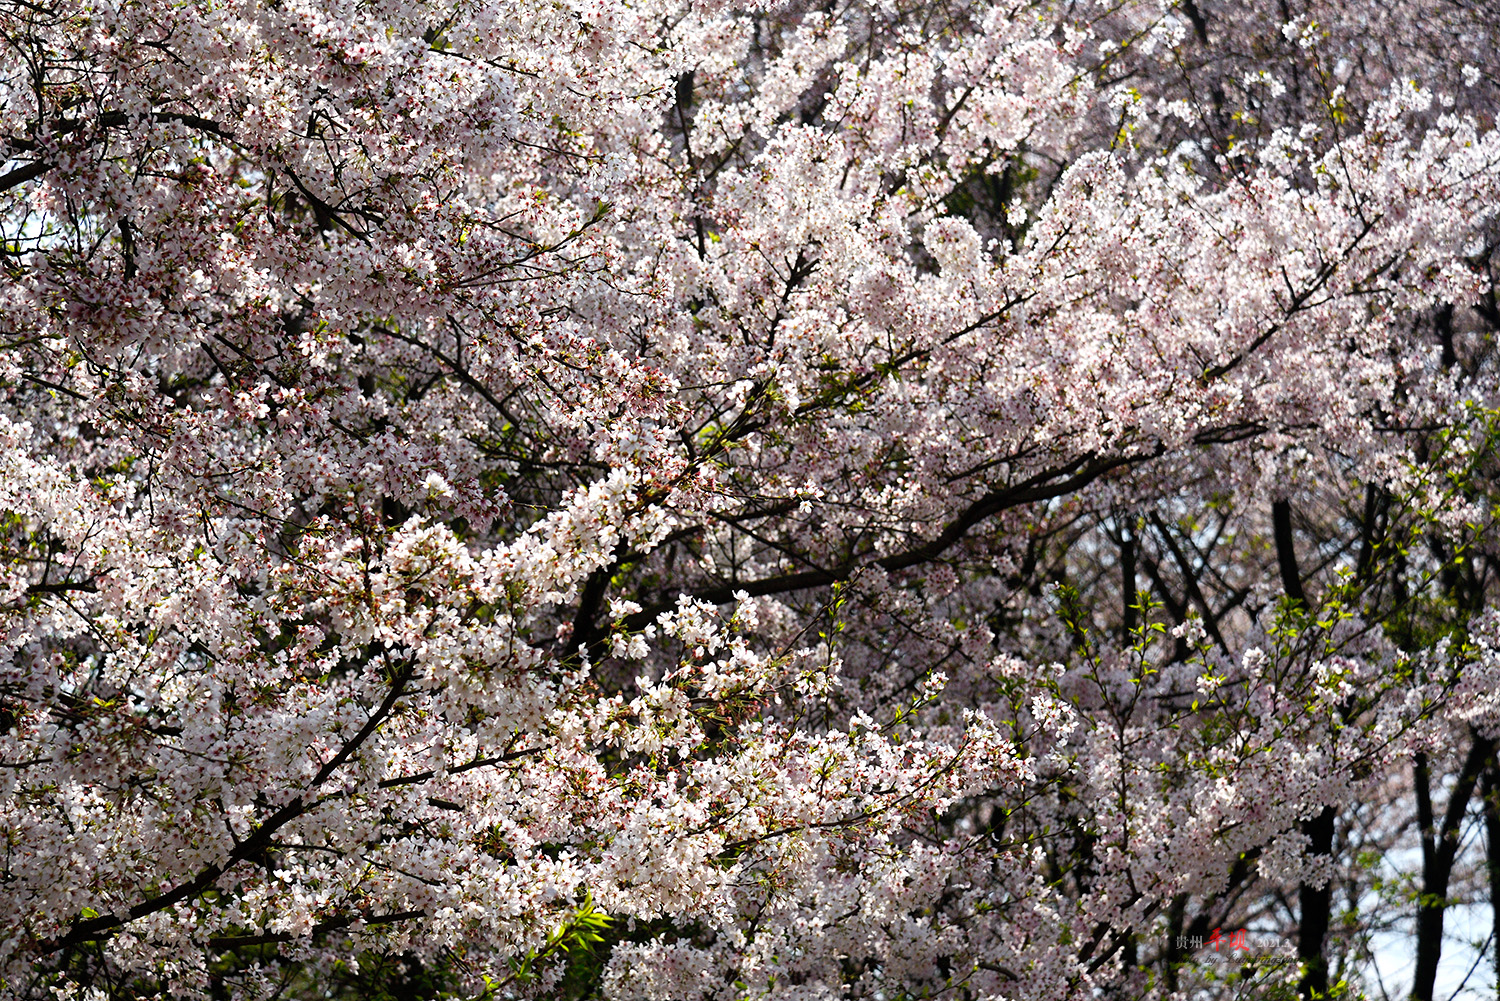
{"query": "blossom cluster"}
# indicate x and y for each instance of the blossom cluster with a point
(781, 500)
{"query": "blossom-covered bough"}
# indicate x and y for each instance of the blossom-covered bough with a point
(671, 500)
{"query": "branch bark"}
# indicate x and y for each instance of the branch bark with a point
(253, 847)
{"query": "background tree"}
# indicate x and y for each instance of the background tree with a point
(678, 501)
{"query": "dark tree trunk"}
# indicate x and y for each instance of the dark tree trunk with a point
(1316, 906)
(1490, 795)
(1439, 849)
(1314, 903)
(1286, 552)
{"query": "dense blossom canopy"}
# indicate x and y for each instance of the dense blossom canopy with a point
(667, 500)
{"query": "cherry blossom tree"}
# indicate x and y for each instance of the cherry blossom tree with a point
(680, 501)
